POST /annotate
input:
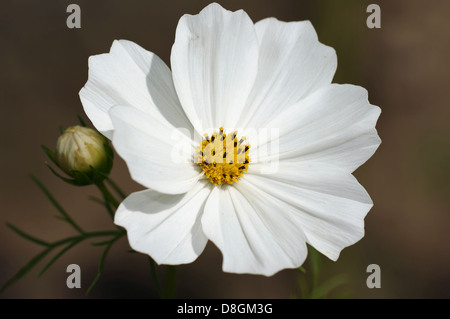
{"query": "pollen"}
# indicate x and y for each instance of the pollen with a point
(223, 157)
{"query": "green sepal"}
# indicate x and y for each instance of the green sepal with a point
(65, 179)
(80, 119)
(50, 154)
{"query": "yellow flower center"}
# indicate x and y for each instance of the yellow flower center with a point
(223, 157)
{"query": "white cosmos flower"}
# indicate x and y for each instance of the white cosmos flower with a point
(249, 77)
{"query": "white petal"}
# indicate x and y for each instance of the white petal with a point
(214, 63)
(157, 155)
(334, 125)
(292, 64)
(330, 203)
(166, 227)
(254, 236)
(130, 75)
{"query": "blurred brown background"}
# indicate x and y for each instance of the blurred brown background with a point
(404, 65)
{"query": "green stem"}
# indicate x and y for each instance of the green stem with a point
(116, 188)
(155, 277)
(107, 194)
(315, 268)
(170, 282)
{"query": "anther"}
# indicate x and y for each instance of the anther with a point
(224, 171)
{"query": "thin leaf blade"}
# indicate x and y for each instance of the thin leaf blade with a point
(58, 255)
(25, 269)
(56, 204)
(27, 236)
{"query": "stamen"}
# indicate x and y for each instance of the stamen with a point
(231, 165)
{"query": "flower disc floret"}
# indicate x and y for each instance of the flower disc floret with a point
(223, 157)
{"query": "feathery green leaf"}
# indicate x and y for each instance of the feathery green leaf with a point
(27, 236)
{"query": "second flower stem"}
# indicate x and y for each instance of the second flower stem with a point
(170, 282)
(155, 277)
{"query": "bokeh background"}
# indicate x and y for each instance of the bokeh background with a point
(404, 65)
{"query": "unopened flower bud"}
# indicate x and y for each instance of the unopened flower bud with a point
(82, 152)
